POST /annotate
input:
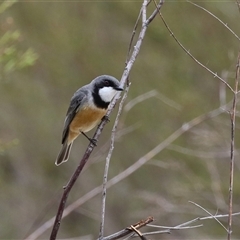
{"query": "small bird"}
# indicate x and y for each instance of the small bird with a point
(87, 107)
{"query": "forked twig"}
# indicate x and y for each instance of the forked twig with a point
(145, 23)
(134, 32)
(209, 214)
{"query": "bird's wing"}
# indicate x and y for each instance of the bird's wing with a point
(77, 99)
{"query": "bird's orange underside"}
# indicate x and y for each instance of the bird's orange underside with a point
(84, 121)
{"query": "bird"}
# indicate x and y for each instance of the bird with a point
(87, 107)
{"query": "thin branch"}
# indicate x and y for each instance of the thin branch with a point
(150, 94)
(205, 210)
(233, 120)
(134, 32)
(99, 130)
(68, 188)
(143, 12)
(215, 75)
(129, 230)
(224, 24)
(187, 225)
(155, 12)
(200, 154)
(168, 230)
(105, 177)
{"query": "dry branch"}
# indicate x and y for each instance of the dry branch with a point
(233, 121)
(129, 230)
(68, 187)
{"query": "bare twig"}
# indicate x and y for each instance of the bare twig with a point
(209, 214)
(137, 232)
(150, 94)
(233, 119)
(68, 188)
(224, 24)
(134, 32)
(215, 75)
(105, 177)
(155, 12)
(129, 230)
(200, 154)
(145, 23)
(186, 225)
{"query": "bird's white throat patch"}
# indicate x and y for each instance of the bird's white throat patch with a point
(107, 93)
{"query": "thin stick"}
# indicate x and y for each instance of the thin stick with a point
(205, 210)
(105, 177)
(129, 230)
(67, 189)
(188, 53)
(233, 119)
(224, 24)
(145, 24)
(134, 32)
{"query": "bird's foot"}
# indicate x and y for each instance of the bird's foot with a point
(91, 140)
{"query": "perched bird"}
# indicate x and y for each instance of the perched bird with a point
(87, 107)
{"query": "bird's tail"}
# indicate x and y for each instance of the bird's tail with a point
(64, 153)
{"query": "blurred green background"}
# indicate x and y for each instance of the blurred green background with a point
(50, 49)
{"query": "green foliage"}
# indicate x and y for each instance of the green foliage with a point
(6, 4)
(12, 57)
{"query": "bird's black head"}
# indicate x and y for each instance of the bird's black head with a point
(104, 89)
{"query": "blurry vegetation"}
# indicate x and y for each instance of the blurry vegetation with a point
(67, 44)
(12, 58)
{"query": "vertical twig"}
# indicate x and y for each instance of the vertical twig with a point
(233, 121)
(108, 158)
(145, 23)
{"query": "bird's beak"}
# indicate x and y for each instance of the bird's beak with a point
(119, 89)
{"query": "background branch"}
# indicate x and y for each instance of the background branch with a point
(215, 75)
(131, 169)
(233, 127)
(105, 176)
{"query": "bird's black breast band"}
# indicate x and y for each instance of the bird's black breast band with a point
(97, 99)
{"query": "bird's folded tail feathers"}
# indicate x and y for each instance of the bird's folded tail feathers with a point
(64, 153)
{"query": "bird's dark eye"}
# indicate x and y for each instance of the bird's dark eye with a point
(106, 83)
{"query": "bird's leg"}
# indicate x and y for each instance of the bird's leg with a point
(92, 140)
